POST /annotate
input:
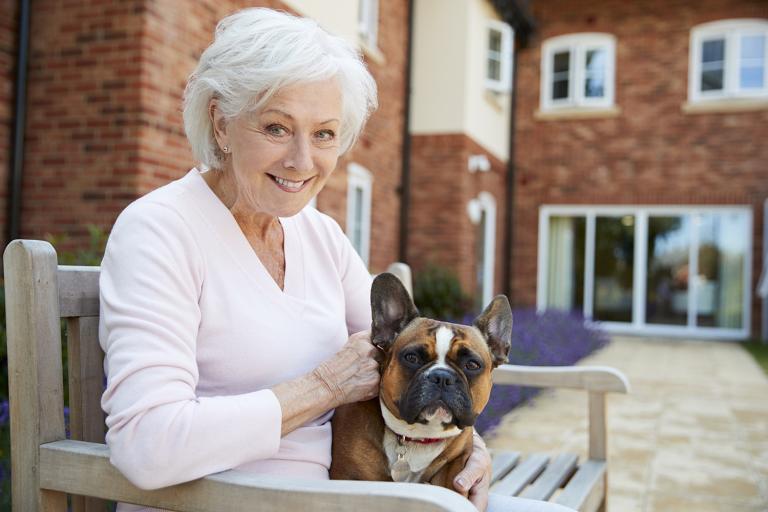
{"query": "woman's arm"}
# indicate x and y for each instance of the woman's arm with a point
(351, 375)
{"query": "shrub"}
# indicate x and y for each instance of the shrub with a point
(437, 293)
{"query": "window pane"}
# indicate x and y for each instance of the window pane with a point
(720, 280)
(712, 80)
(713, 51)
(357, 231)
(480, 259)
(565, 264)
(494, 69)
(752, 47)
(594, 86)
(667, 273)
(562, 61)
(751, 78)
(494, 40)
(752, 62)
(712, 65)
(560, 89)
(614, 268)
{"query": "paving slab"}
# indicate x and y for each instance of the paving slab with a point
(691, 436)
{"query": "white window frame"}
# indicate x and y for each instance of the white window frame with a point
(641, 214)
(358, 177)
(577, 45)
(504, 83)
(731, 31)
(485, 202)
(368, 22)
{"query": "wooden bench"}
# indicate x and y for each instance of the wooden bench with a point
(46, 466)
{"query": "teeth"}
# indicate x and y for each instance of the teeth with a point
(293, 185)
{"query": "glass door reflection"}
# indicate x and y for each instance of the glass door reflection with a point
(614, 268)
(669, 245)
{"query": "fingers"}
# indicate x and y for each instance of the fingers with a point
(475, 478)
(472, 473)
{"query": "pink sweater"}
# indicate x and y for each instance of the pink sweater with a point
(196, 331)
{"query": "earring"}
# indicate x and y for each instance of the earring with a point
(225, 149)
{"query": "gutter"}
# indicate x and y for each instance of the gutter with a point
(19, 125)
(405, 177)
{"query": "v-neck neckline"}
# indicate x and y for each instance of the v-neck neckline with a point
(225, 225)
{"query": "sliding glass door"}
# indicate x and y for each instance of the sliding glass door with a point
(667, 270)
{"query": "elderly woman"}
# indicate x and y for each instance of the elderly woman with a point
(234, 318)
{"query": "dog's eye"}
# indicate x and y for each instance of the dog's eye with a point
(411, 358)
(472, 365)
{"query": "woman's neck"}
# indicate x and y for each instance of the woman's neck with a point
(253, 223)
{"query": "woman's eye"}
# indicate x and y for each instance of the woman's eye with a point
(472, 365)
(276, 130)
(325, 135)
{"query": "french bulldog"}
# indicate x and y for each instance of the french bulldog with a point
(435, 381)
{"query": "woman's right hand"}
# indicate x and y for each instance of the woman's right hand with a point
(352, 375)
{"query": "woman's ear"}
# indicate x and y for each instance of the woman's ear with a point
(218, 122)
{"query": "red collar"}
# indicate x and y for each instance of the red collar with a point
(422, 440)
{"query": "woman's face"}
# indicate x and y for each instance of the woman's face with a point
(282, 155)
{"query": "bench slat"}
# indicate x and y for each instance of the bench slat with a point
(522, 475)
(557, 472)
(585, 490)
(78, 291)
(502, 463)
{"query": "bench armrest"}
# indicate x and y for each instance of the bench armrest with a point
(79, 467)
(590, 378)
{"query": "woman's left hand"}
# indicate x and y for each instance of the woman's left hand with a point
(475, 478)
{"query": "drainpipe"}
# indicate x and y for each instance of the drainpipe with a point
(509, 203)
(405, 178)
(518, 15)
(19, 125)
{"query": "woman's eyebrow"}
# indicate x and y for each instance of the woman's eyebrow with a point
(289, 116)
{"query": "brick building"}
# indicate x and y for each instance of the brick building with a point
(633, 134)
(641, 163)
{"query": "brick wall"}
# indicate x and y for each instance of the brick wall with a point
(105, 126)
(8, 49)
(440, 231)
(652, 152)
(380, 148)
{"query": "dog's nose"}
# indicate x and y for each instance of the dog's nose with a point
(442, 377)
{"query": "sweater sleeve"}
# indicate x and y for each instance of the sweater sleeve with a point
(159, 431)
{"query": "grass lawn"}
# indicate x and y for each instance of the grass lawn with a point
(759, 351)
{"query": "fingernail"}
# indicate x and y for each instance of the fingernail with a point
(461, 483)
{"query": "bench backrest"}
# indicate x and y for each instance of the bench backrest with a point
(40, 295)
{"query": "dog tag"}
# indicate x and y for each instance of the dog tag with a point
(401, 470)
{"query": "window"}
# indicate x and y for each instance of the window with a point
(728, 59)
(498, 70)
(655, 269)
(482, 213)
(359, 181)
(578, 71)
(368, 21)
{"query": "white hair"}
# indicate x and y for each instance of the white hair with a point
(254, 54)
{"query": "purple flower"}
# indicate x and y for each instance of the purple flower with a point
(550, 338)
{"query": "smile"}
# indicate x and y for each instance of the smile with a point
(289, 185)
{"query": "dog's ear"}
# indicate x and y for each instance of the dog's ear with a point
(392, 309)
(495, 323)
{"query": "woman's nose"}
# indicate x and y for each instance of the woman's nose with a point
(299, 157)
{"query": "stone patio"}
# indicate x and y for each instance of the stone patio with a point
(691, 436)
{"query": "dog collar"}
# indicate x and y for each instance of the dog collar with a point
(422, 440)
